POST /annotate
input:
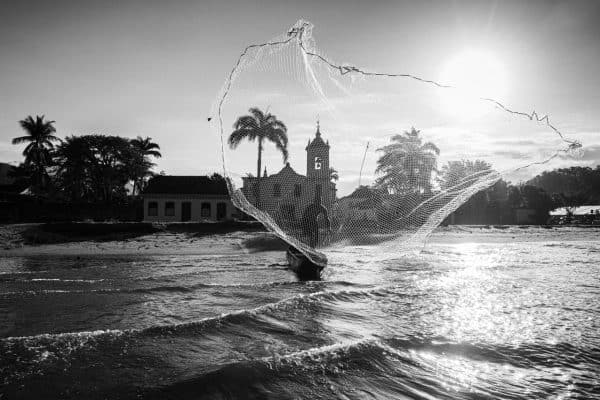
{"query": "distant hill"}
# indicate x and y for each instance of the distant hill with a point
(582, 182)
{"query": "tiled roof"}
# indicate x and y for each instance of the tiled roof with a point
(186, 185)
(317, 141)
(364, 192)
(286, 170)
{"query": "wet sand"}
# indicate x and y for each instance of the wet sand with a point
(167, 242)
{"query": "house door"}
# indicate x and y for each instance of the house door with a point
(221, 211)
(186, 211)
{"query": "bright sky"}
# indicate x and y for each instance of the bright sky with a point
(153, 68)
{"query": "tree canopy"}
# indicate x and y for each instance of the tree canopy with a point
(83, 168)
(574, 185)
(454, 174)
(407, 164)
(260, 126)
(40, 140)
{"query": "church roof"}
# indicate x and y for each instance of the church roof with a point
(318, 140)
(363, 192)
(287, 170)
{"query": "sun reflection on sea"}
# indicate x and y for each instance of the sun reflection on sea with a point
(481, 305)
(469, 298)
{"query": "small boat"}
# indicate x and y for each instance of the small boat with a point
(302, 265)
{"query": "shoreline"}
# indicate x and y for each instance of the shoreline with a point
(80, 239)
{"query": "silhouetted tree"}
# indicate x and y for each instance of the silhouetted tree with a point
(75, 159)
(407, 164)
(261, 127)
(22, 175)
(39, 139)
(573, 180)
(574, 186)
(333, 174)
(456, 174)
(217, 177)
(514, 197)
(110, 171)
(140, 165)
(537, 199)
(94, 167)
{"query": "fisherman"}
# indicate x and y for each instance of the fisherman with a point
(310, 219)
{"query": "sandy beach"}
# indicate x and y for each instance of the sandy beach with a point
(15, 240)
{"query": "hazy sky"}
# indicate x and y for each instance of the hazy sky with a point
(154, 68)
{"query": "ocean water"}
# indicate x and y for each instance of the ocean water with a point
(508, 319)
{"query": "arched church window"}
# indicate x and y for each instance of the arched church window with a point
(318, 163)
(277, 190)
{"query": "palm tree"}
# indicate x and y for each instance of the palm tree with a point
(40, 140)
(457, 174)
(260, 126)
(407, 164)
(141, 165)
(146, 147)
(333, 174)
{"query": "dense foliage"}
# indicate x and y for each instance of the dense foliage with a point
(408, 169)
(572, 186)
(407, 164)
(88, 168)
(101, 168)
(38, 152)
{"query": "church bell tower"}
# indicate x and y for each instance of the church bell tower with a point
(317, 158)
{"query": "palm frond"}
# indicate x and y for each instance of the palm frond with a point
(239, 135)
(283, 148)
(22, 139)
(154, 153)
(247, 122)
(430, 147)
(262, 126)
(258, 114)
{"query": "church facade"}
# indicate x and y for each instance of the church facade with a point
(286, 194)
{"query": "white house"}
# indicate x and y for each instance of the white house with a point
(187, 198)
(581, 210)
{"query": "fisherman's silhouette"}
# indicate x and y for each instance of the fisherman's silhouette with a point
(310, 220)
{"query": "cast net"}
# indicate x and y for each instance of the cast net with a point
(326, 153)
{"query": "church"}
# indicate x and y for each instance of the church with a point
(286, 194)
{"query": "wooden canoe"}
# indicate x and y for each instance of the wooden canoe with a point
(302, 265)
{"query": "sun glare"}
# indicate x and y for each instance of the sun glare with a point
(474, 74)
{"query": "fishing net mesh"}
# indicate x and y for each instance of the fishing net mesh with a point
(325, 153)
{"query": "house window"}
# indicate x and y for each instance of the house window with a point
(205, 210)
(277, 190)
(297, 190)
(221, 211)
(169, 209)
(152, 209)
(318, 163)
